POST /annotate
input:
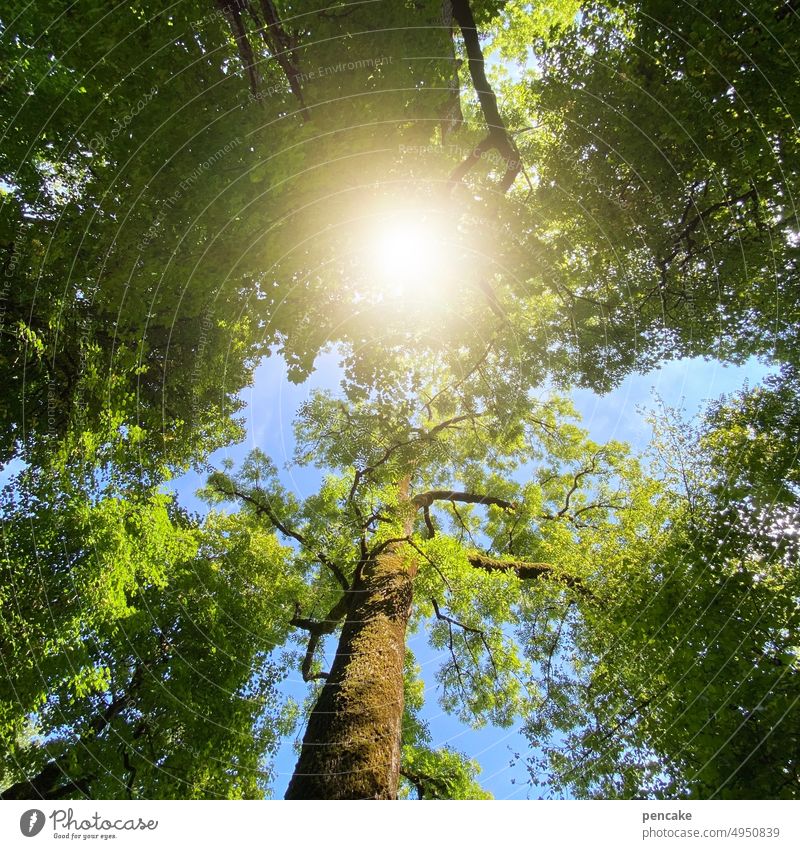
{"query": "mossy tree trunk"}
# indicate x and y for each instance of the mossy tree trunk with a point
(351, 748)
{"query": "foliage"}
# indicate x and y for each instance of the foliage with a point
(689, 679)
(180, 198)
(137, 646)
(106, 310)
(664, 157)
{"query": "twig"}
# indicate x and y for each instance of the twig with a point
(478, 631)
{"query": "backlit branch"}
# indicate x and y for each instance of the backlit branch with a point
(575, 484)
(424, 436)
(232, 9)
(428, 523)
(425, 499)
(564, 512)
(428, 405)
(526, 571)
(282, 46)
(450, 622)
(277, 40)
(436, 568)
(499, 138)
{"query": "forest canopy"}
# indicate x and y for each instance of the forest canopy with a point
(474, 208)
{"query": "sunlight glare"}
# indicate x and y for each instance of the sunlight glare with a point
(407, 257)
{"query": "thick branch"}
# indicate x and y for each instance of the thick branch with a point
(281, 45)
(525, 571)
(499, 138)
(415, 779)
(318, 628)
(278, 42)
(232, 9)
(425, 499)
(438, 570)
(428, 522)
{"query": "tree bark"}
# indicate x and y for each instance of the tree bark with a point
(351, 748)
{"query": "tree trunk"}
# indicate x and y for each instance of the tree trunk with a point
(351, 748)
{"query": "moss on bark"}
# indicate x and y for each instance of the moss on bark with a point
(351, 748)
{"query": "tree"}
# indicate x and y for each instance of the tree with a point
(663, 213)
(186, 191)
(149, 186)
(137, 646)
(585, 246)
(688, 686)
(438, 506)
(106, 313)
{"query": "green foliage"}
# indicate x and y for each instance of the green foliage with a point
(664, 150)
(688, 679)
(441, 774)
(106, 310)
(142, 645)
(150, 205)
(171, 212)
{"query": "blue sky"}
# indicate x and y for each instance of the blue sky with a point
(272, 402)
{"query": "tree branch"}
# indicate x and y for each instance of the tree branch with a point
(590, 469)
(317, 628)
(428, 405)
(262, 508)
(382, 546)
(526, 571)
(232, 9)
(435, 431)
(428, 523)
(415, 779)
(425, 499)
(49, 782)
(279, 43)
(424, 436)
(282, 47)
(438, 570)
(499, 138)
(441, 616)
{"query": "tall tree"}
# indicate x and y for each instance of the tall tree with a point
(688, 681)
(664, 145)
(148, 193)
(584, 206)
(137, 646)
(186, 188)
(443, 510)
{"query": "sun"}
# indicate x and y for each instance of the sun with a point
(406, 256)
